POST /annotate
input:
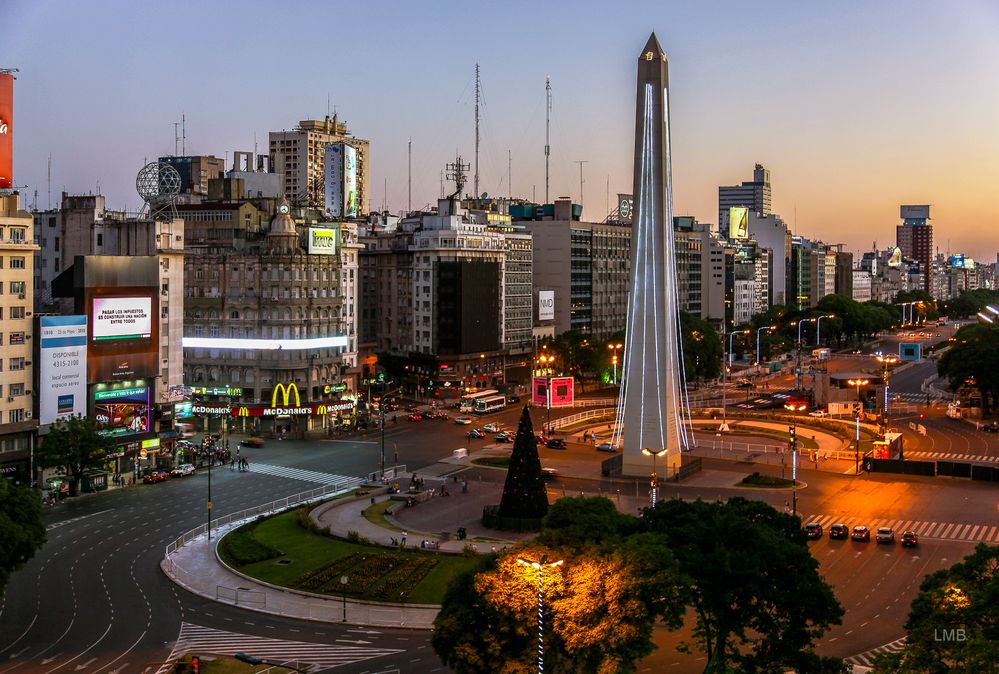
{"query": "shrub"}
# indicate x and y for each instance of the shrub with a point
(241, 548)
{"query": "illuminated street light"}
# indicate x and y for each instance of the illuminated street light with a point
(818, 327)
(654, 484)
(984, 317)
(992, 309)
(856, 453)
(726, 363)
(540, 567)
(614, 349)
(797, 368)
(886, 361)
(768, 328)
(792, 440)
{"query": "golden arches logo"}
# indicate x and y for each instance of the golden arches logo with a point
(242, 412)
(321, 410)
(286, 391)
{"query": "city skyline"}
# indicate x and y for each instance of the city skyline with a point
(854, 114)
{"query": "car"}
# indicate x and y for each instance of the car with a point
(860, 533)
(555, 443)
(158, 476)
(512, 400)
(839, 531)
(476, 433)
(607, 447)
(540, 437)
(463, 421)
(504, 437)
(183, 470)
(252, 442)
(813, 530)
(548, 474)
(885, 535)
(491, 428)
(745, 383)
(991, 427)
(909, 539)
(818, 413)
(435, 415)
(415, 416)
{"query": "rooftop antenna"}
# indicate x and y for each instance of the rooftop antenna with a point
(176, 137)
(548, 120)
(409, 179)
(478, 88)
(456, 172)
(50, 181)
(183, 134)
(509, 174)
(581, 162)
(254, 143)
(607, 196)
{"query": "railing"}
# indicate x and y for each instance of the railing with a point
(777, 450)
(388, 474)
(265, 509)
(582, 416)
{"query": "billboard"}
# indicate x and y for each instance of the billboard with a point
(552, 391)
(957, 261)
(539, 391)
(63, 371)
(323, 241)
(911, 212)
(895, 259)
(6, 131)
(546, 305)
(117, 318)
(349, 182)
(333, 180)
(625, 206)
(125, 411)
(738, 223)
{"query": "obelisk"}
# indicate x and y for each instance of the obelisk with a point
(652, 405)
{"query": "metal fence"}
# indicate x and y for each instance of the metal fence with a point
(266, 509)
(583, 416)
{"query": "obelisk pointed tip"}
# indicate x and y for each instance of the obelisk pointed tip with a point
(653, 48)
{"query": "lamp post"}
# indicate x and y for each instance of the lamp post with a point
(856, 452)
(540, 567)
(654, 482)
(614, 349)
(797, 368)
(768, 328)
(886, 361)
(725, 367)
(818, 328)
(792, 441)
(731, 338)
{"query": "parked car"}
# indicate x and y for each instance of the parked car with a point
(813, 530)
(463, 421)
(860, 533)
(839, 531)
(415, 416)
(607, 447)
(745, 383)
(252, 442)
(540, 437)
(504, 437)
(909, 539)
(512, 400)
(555, 443)
(153, 478)
(491, 428)
(818, 413)
(885, 535)
(475, 434)
(991, 427)
(183, 470)
(548, 474)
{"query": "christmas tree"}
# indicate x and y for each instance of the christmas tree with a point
(524, 493)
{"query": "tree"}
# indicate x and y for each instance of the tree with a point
(21, 528)
(576, 522)
(75, 445)
(953, 622)
(732, 557)
(974, 360)
(702, 350)
(524, 493)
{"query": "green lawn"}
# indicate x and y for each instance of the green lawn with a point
(767, 481)
(376, 514)
(314, 562)
(494, 461)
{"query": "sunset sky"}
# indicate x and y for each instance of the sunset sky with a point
(854, 107)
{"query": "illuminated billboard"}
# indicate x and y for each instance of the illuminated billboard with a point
(625, 206)
(6, 131)
(349, 182)
(546, 305)
(895, 259)
(323, 241)
(333, 180)
(122, 318)
(738, 223)
(123, 411)
(63, 370)
(957, 261)
(123, 330)
(552, 391)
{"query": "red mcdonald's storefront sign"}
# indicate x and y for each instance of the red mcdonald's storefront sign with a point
(321, 409)
(6, 131)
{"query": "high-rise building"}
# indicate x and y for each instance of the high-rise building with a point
(17, 423)
(915, 238)
(771, 232)
(300, 155)
(195, 172)
(752, 195)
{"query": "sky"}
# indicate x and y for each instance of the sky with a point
(855, 107)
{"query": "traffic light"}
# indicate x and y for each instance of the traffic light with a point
(790, 433)
(856, 409)
(195, 664)
(922, 416)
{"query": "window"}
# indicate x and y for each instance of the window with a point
(16, 390)
(15, 263)
(17, 287)
(17, 234)
(213, 331)
(100, 240)
(15, 416)
(16, 312)
(16, 364)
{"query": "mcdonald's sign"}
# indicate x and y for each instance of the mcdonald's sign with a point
(242, 411)
(286, 392)
(321, 410)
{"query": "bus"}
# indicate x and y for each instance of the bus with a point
(490, 403)
(467, 402)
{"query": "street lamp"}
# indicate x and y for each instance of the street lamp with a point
(654, 483)
(856, 452)
(797, 369)
(792, 441)
(818, 328)
(768, 328)
(985, 317)
(540, 567)
(725, 367)
(886, 361)
(614, 349)
(731, 337)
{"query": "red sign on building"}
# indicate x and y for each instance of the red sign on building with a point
(6, 131)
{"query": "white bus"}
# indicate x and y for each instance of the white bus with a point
(490, 404)
(467, 402)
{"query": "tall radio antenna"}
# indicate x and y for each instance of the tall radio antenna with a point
(478, 88)
(548, 121)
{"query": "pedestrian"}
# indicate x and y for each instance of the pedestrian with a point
(464, 486)
(787, 507)
(403, 539)
(232, 463)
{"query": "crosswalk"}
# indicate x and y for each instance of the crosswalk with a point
(866, 659)
(937, 530)
(943, 456)
(303, 474)
(910, 397)
(200, 640)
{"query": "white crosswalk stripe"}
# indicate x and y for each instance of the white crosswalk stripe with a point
(197, 640)
(942, 456)
(942, 530)
(305, 475)
(912, 397)
(866, 658)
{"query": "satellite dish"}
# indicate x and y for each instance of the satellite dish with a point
(159, 184)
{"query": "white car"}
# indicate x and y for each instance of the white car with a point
(463, 421)
(818, 413)
(607, 447)
(491, 428)
(183, 470)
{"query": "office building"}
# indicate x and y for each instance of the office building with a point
(195, 172)
(258, 183)
(915, 238)
(17, 422)
(771, 233)
(754, 196)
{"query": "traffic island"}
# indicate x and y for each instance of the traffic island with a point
(757, 481)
